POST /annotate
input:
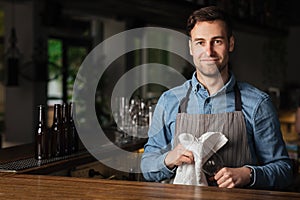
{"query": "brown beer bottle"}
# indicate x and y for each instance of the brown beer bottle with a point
(65, 128)
(56, 132)
(41, 135)
(73, 136)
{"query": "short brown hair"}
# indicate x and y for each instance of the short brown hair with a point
(209, 13)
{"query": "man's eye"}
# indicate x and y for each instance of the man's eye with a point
(218, 42)
(200, 43)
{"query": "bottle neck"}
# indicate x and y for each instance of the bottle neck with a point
(41, 111)
(57, 113)
(71, 111)
(65, 114)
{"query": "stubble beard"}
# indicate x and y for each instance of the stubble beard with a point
(216, 72)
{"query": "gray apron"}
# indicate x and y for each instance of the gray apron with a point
(235, 152)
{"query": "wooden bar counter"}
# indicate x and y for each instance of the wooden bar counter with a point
(24, 186)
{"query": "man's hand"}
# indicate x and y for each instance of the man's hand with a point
(178, 156)
(233, 177)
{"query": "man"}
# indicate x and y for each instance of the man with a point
(255, 155)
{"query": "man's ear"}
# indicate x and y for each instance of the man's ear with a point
(231, 44)
(190, 46)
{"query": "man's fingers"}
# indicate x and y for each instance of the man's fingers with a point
(188, 154)
(186, 159)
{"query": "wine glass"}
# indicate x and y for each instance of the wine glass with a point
(212, 166)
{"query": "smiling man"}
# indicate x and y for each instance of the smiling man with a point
(210, 45)
(213, 100)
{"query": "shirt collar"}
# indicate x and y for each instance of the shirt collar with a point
(196, 85)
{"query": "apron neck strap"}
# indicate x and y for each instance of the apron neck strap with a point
(184, 101)
(238, 100)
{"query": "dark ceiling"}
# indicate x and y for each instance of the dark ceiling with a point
(173, 13)
(161, 12)
(293, 13)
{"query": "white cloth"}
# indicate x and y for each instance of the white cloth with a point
(202, 148)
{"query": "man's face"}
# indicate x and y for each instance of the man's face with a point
(210, 47)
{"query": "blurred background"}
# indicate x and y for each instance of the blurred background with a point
(43, 42)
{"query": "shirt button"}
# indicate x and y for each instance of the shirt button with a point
(207, 106)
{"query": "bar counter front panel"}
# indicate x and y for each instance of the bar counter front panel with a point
(24, 186)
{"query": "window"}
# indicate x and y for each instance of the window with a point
(65, 57)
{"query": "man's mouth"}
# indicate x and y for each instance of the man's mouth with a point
(209, 59)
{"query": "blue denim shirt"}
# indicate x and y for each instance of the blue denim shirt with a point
(273, 169)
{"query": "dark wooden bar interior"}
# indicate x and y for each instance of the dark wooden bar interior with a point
(53, 38)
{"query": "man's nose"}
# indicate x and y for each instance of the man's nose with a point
(209, 49)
